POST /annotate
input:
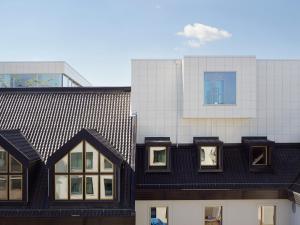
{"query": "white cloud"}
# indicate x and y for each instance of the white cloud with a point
(199, 34)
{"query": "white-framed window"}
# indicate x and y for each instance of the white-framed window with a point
(158, 156)
(208, 156)
(267, 215)
(159, 215)
(213, 215)
(84, 174)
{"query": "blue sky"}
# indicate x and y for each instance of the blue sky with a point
(99, 38)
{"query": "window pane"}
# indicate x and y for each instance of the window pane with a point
(15, 187)
(3, 187)
(76, 187)
(159, 215)
(62, 165)
(76, 158)
(5, 81)
(92, 158)
(91, 187)
(106, 165)
(208, 155)
(158, 156)
(49, 80)
(213, 215)
(61, 187)
(259, 154)
(267, 215)
(3, 160)
(106, 187)
(24, 80)
(15, 166)
(219, 87)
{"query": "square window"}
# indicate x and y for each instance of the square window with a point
(107, 190)
(76, 187)
(219, 88)
(3, 161)
(3, 187)
(61, 187)
(208, 156)
(267, 215)
(91, 187)
(159, 215)
(158, 156)
(14, 165)
(213, 215)
(15, 187)
(259, 155)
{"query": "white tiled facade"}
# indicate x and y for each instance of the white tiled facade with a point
(167, 96)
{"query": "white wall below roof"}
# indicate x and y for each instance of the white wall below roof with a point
(235, 212)
(157, 98)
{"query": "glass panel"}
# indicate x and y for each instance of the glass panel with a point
(3, 187)
(220, 87)
(158, 156)
(15, 187)
(106, 165)
(91, 187)
(24, 80)
(61, 187)
(159, 215)
(15, 166)
(3, 160)
(62, 165)
(49, 80)
(208, 155)
(76, 159)
(76, 187)
(92, 158)
(259, 154)
(267, 215)
(213, 215)
(106, 187)
(5, 81)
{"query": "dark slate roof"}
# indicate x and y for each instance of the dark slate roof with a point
(236, 175)
(19, 142)
(49, 117)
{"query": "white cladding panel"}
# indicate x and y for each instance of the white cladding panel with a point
(157, 98)
(235, 212)
(193, 87)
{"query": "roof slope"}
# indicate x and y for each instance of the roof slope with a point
(49, 117)
(16, 138)
(236, 174)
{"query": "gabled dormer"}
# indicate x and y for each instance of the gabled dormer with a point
(19, 163)
(86, 169)
(210, 154)
(259, 152)
(158, 154)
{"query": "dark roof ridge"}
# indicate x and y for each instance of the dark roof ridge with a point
(67, 89)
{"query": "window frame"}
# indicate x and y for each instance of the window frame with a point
(260, 208)
(160, 206)
(212, 206)
(85, 174)
(8, 174)
(209, 142)
(219, 104)
(153, 168)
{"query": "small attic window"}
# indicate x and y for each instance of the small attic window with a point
(210, 154)
(158, 154)
(259, 155)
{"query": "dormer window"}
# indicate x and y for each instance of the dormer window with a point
(84, 174)
(260, 153)
(158, 154)
(210, 154)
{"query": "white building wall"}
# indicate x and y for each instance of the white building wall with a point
(157, 98)
(295, 215)
(235, 212)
